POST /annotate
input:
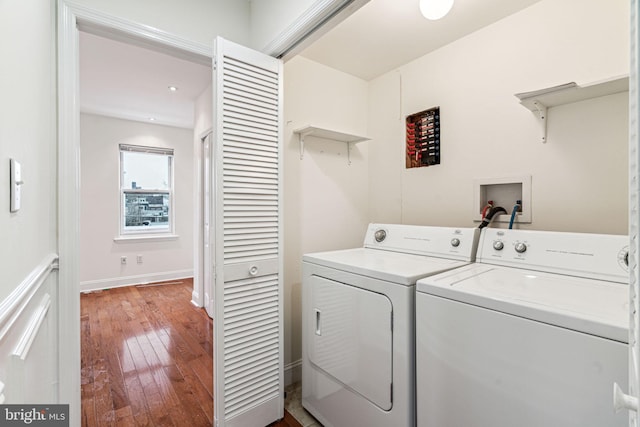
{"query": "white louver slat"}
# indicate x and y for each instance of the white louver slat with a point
(248, 319)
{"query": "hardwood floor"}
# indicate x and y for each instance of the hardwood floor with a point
(147, 358)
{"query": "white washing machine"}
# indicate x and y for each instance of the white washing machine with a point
(533, 334)
(358, 343)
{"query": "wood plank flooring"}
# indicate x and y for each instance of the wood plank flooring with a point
(147, 358)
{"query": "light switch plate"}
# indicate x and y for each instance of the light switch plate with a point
(15, 171)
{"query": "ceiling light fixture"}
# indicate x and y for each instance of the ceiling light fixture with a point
(173, 88)
(435, 9)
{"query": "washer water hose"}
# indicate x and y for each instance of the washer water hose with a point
(516, 208)
(486, 208)
(491, 214)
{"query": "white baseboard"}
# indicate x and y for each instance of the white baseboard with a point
(292, 372)
(195, 299)
(141, 279)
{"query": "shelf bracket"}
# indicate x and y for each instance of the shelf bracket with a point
(541, 115)
(349, 153)
(301, 137)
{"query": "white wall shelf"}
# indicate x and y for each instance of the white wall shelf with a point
(332, 135)
(538, 101)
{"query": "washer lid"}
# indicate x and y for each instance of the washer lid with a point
(586, 305)
(401, 268)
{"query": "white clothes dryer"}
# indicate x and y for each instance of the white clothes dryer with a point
(533, 334)
(358, 349)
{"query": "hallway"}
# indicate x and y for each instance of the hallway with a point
(147, 358)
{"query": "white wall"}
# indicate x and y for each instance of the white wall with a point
(29, 245)
(203, 113)
(196, 20)
(27, 134)
(100, 265)
(325, 199)
(269, 18)
(579, 177)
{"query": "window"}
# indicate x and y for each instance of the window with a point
(146, 190)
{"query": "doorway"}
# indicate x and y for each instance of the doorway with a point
(74, 20)
(124, 101)
(248, 97)
(145, 101)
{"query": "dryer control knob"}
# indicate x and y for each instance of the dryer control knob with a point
(455, 242)
(380, 235)
(498, 245)
(520, 247)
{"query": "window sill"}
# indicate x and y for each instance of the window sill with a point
(140, 238)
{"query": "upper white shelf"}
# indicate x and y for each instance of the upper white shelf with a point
(572, 92)
(328, 134)
(539, 100)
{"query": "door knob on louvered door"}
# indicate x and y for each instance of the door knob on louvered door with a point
(253, 271)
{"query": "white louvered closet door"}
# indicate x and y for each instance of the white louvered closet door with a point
(248, 372)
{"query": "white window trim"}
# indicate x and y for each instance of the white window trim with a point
(146, 235)
(140, 239)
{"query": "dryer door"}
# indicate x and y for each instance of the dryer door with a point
(352, 339)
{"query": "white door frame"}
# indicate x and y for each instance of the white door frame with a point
(204, 274)
(199, 265)
(72, 16)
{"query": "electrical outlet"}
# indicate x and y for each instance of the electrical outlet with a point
(139, 259)
(123, 260)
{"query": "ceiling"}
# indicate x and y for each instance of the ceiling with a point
(126, 81)
(130, 82)
(385, 34)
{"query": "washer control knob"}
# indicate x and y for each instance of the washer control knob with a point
(520, 247)
(380, 235)
(498, 245)
(626, 258)
(455, 242)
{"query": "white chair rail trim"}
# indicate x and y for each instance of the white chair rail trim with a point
(13, 306)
